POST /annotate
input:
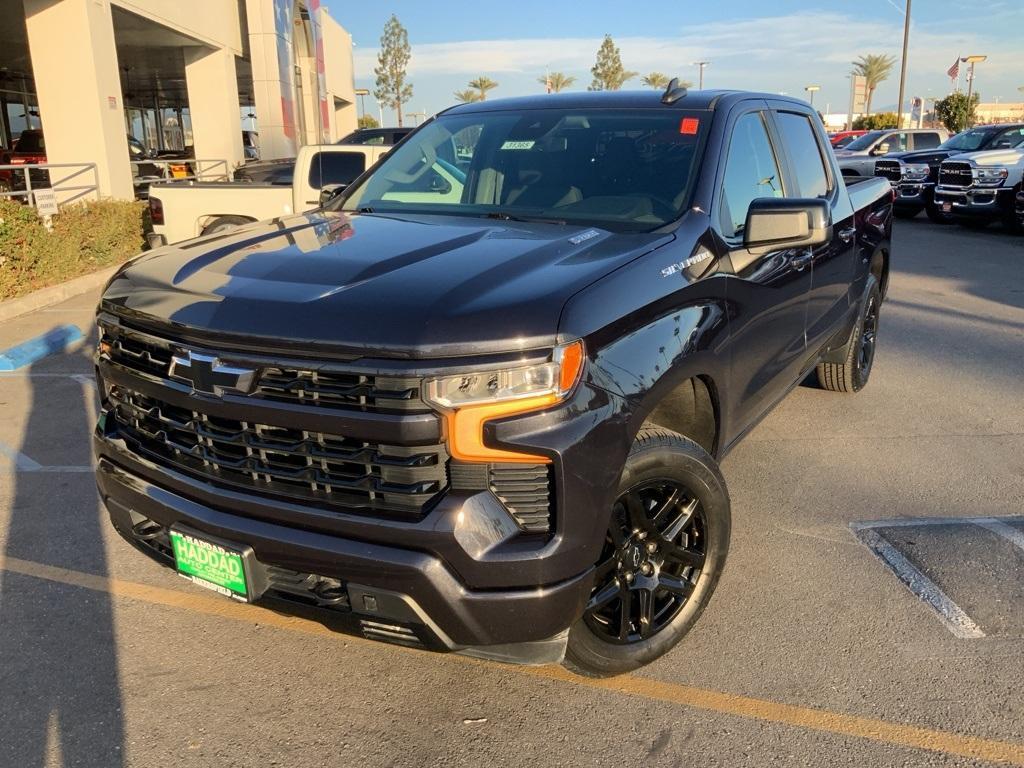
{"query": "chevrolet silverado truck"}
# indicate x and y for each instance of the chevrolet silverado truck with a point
(914, 174)
(858, 157)
(180, 210)
(481, 408)
(977, 188)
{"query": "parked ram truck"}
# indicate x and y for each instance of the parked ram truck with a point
(915, 174)
(977, 188)
(481, 408)
(181, 210)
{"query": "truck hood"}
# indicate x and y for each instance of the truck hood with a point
(992, 157)
(922, 156)
(398, 286)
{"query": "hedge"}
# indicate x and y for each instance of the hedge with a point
(86, 237)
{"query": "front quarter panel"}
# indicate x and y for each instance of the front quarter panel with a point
(655, 323)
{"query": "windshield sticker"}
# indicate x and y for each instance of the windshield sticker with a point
(518, 145)
(582, 237)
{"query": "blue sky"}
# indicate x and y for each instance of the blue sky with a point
(775, 46)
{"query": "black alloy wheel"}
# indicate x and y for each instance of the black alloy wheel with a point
(868, 336)
(653, 555)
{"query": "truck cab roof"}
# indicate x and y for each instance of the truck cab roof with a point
(647, 99)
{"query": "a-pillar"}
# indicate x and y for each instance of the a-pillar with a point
(213, 107)
(74, 64)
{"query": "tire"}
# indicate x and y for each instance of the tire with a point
(1011, 222)
(662, 550)
(852, 374)
(906, 213)
(224, 223)
(936, 215)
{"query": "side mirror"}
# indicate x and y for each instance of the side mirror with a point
(881, 149)
(330, 191)
(775, 224)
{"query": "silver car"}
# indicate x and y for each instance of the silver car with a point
(858, 157)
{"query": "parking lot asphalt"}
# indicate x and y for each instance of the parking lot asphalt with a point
(813, 651)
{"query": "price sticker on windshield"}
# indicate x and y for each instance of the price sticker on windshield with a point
(518, 145)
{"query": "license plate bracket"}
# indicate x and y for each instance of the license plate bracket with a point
(223, 566)
(947, 207)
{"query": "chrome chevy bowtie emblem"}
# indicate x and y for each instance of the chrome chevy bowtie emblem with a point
(207, 374)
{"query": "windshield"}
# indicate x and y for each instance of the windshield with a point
(618, 169)
(864, 142)
(968, 141)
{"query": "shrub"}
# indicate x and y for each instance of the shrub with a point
(875, 122)
(85, 237)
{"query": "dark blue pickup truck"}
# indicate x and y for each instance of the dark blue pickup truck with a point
(477, 401)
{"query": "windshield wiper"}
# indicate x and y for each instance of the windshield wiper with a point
(503, 216)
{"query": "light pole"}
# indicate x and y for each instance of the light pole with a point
(701, 64)
(903, 66)
(812, 89)
(971, 60)
(361, 92)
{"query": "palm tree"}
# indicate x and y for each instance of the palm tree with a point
(467, 96)
(874, 68)
(557, 81)
(655, 80)
(483, 84)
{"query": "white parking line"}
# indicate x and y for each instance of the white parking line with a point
(951, 614)
(1000, 528)
(23, 463)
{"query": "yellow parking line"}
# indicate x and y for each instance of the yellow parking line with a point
(630, 685)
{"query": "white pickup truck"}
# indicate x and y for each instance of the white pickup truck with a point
(977, 188)
(183, 210)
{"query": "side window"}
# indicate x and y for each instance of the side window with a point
(897, 142)
(804, 151)
(1007, 139)
(335, 168)
(751, 171)
(926, 140)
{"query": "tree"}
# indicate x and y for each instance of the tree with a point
(482, 84)
(607, 70)
(392, 61)
(955, 112)
(874, 68)
(556, 81)
(467, 96)
(655, 80)
(875, 122)
(367, 121)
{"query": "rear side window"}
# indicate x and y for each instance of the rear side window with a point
(751, 171)
(335, 168)
(804, 152)
(926, 140)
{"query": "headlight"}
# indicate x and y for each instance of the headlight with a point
(913, 172)
(471, 399)
(990, 177)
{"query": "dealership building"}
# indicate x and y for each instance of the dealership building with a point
(186, 76)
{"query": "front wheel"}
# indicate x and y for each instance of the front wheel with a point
(663, 553)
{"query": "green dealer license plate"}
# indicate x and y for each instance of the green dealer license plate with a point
(209, 565)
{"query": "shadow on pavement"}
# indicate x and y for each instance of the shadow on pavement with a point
(60, 692)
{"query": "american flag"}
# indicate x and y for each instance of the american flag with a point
(954, 71)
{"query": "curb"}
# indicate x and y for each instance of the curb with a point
(55, 294)
(44, 345)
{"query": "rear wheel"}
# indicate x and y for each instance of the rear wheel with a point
(663, 553)
(852, 374)
(223, 223)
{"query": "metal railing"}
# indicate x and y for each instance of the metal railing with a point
(68, 187)
(185, 169)
(67, 180)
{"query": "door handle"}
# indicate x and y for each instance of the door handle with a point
(801, 260)
(847, 235)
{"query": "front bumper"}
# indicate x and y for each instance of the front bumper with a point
(980, 202)
(389, 593)
(913, 194)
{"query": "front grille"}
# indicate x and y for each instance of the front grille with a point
(889, 169)
(282, 462)
(320, 386)
(955, 174)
